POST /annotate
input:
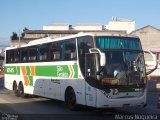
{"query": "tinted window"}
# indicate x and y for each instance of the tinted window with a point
(24, 55)
(9, 56)
(43, 52)
(16, 56)
(55, 50)
(69, 50)
(32, 54)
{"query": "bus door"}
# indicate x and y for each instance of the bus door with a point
(91, 82)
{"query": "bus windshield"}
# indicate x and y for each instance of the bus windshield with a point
(123, 68)
(124, 61)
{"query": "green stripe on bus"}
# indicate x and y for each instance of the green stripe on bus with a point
(75, 67)
(30, 80)
(62, 71)
(54, 71)
(28, 70)
(45, 71)
(18, 70)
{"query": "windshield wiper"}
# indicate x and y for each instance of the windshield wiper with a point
(99, 72)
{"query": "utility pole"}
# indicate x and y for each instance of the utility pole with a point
(19, 38)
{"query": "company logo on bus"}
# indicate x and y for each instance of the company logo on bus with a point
(61, 72)
(114, 91)
(10, 70)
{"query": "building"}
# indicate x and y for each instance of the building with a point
(121, 24)
(78, 27)
(57, 27)
(150, 37)
(57, 30)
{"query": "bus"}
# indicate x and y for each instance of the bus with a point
(100, 70)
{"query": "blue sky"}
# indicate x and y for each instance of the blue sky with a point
(33, 14)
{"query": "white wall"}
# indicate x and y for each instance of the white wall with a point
(121, 24)
(56, 27)
(88, 27)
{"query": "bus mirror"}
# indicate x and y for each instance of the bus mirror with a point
(102, 55)
(102, 59)
(154, 62)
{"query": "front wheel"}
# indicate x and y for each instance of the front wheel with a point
(70, 99)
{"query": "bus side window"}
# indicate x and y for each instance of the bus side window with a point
(73, 52)
(16, 56)
(10, 56)
(32, 54)
(69, 49)
(43, 53)
(63, 49)
(23, 55)
(55, 51)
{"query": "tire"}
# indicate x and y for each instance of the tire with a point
(70, 99)
(21, 91)
(16, 91)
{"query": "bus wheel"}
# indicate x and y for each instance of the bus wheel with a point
(70, 99)
(21, 91)
(15, 89)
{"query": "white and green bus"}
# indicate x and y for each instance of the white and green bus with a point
(97, 70)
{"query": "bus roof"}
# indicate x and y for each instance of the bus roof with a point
(81, 34)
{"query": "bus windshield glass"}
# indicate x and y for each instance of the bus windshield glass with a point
(124, 61)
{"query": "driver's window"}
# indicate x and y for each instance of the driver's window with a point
(90, 66)
(84, 44)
